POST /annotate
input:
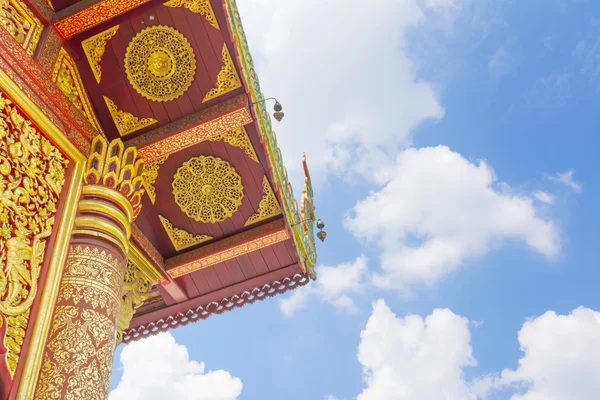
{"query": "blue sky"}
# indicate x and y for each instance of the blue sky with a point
(453, 145)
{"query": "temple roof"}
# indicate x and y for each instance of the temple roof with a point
(219, 226)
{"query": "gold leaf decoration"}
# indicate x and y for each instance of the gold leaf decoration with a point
(227, 79)
(149, 175)
(207, 189)
(201, 7)
(94, 48)
(125, 122)
(268, 206)
(180, 238)
(20, 22)
(238, 138)
(69, 82)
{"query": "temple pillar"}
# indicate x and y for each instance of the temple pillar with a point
(78, 357)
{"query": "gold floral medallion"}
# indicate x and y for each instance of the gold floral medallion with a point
(160, 63)
(207, 189)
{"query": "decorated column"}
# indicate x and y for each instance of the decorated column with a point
(78, 358)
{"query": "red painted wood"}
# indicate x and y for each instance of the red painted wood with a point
(235, 271)
(223, 274)
(270, 258)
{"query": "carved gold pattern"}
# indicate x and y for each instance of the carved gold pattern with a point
(160, 63)
(230, 253)
(21, 23)
(180, 238)
(94, 48)
(268, 206)
(101, 11)
(238, 138)
(136, 288)
(227, 79)
(125, 122)
(49, 52)
(150, 174)
(32, 174)
(68, 80)
(207, 189)
(78, 359)
(201, 7)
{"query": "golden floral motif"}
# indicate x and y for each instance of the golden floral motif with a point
(125, 122)
(229, 253)
(238, 138)
(180, 238)
(160, 63)
(32, 174)
(136, 288)
(149, 176)
(227, 79)
(268, 206)
(21, 23)
(94, 15)
(94, 48)
(207, 189)
(201, 7)
(67, 78)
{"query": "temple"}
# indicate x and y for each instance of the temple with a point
(141, 186)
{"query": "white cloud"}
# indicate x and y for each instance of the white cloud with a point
(544, 197)
(438, 210)
(560, 360)
(566, 178)
(334, 79)
(334, 286)
(501, 63)
(415, 358)
(159, 368)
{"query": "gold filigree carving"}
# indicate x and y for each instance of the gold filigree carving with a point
(227, 79)
(68, 80)
(78, 359)
(201, 7)
(238, 138)
(180, 238)
(268, 206)
(136, 288)
(160, 63)
(21, 23)
(150, 174)
(94, 48)
(125, 122)
(207, 189)
(32, 175)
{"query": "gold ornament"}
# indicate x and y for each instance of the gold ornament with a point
(125, 122)
(150, 174)
(68, 80)
(136, 288)
(207, 189)
(179, 237)
(32, 175)
(227, 79)
(94, 48)
(201, 7)
(160, 63)
(268, 206)
(21, 23)
(238, 138)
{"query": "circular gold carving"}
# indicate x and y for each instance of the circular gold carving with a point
(207, 189)
(160, 63)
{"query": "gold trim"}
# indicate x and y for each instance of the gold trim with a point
(227, 79)
(230, 253)
(144, 265)
(268, 206)
(125, 122)
(40, 328)
(201, 7)
(238, 138)
(101, 235)
(104, 226)
(94, 48)
(103, 191)
(149, 175)
(108, 209)
(180, 238)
